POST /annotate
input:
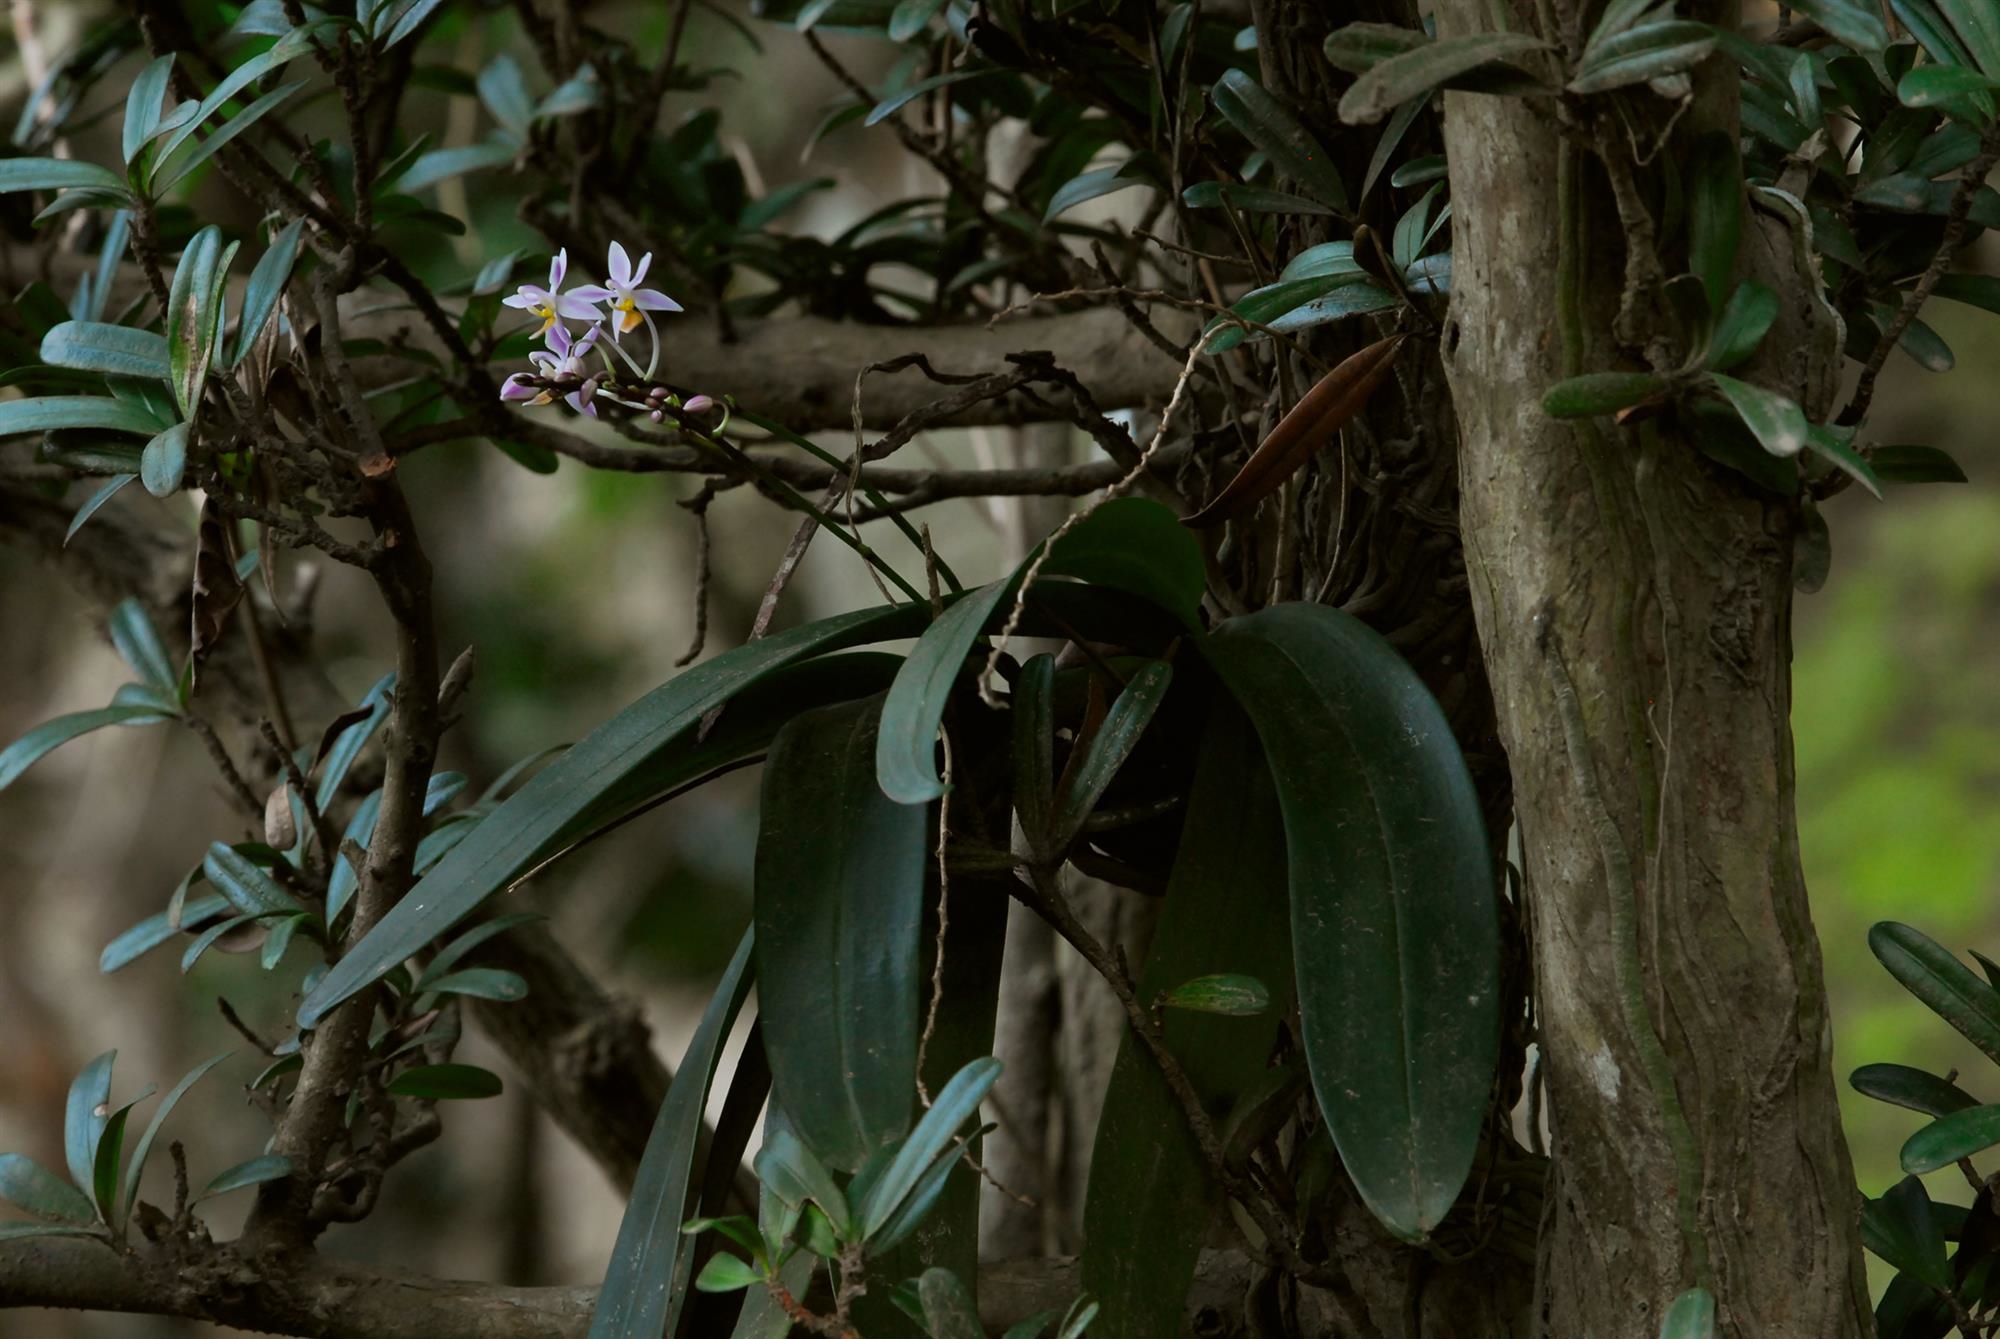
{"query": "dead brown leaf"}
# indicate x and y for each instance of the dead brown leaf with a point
(1300, 435)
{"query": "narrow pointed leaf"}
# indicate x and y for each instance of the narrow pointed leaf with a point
(267, 285)
(1714, 176)
(109, 489)
(636, 1301)
(249, 889)
(449, 957)
(139, 645)
(482, 983)
(174, 170)
(1419, 70)
(792, 1172)
(1292, 149)
(1033, 708)
(33, 1188)
(110, 1152)
(631, 749)
(839, 908)
(1110, 747)
(207, 939)
(1395, 927)
(1636, 55)
(1831, 445)
(443, 164)
(255, 1172)
(50, 413)
(156, 930)
(136, 1170)
(957, 1103)
(192, 316)
(903, 97)
(287, 48)
(1741, 326)
(1977, 23)
(1251, 199)
(142, 105)
(120, 350)
(1947, 986)
(916, 1207)
(30, 748)
(906, 743)
(54, 174)
(1089, 186)
(1129, 544)
(1857, 24)
(339, 752)
(1617, 17)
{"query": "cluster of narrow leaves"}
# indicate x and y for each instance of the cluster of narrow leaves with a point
(1937, 1288)
(1368, 819)
(267, 897)
(102, 1192)
(1848, 145)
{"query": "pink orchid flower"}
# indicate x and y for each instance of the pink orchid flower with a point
(551, 304)
(565, 357)
(628, 301)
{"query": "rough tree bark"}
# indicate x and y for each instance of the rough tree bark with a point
(1662, 588)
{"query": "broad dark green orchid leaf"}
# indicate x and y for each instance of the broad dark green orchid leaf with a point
(1151, 1195)
(1901, 1228)
(1951, 1138)
(1128, 544)
(1914, 1089)
(839, 910)
(1947, 986)
(1395, 922)
(637, 1301)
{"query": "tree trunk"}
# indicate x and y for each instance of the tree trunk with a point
(1656, 584)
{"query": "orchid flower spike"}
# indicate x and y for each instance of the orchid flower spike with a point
(628, 301)
(551, 304)
(565, 357)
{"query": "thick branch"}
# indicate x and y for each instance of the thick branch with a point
(323, 1299)
(800, 370)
